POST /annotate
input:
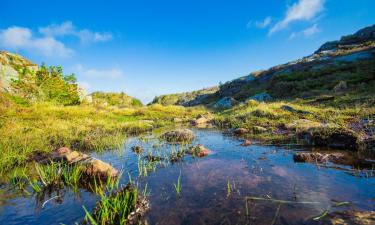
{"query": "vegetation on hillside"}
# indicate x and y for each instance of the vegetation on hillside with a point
(114, 99)
(47, 84)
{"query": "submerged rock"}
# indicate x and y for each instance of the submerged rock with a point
(348, 217)
(246, 143)
(199, 150)
(181, 135)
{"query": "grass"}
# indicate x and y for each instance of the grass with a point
(115, 204)
(177, 186)
(25, 128)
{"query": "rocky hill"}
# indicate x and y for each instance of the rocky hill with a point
(346, 65)
(10, 66)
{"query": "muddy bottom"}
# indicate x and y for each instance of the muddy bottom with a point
(234, 185)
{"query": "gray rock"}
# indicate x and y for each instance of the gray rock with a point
(225, 103)
(181, 135)
(261, 97)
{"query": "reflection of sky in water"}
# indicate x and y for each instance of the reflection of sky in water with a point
(251, 171)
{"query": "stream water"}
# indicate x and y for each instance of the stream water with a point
(265, 172)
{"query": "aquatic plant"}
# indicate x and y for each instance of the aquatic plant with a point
(49, 174)
(229, 189)
(115, 207)
(177, 186)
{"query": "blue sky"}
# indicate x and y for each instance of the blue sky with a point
(148, 48)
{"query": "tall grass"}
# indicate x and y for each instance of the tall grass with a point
(177, 186)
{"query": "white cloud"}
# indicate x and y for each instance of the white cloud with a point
(260, 24)
(306, 32)
(264, 23)
(68, 29)
(301, 10)
(21, 38)
(112, 73)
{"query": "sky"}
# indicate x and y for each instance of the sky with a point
(147, 48)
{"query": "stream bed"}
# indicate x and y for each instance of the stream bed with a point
(256, 184)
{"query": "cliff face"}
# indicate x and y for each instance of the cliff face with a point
(10, 65)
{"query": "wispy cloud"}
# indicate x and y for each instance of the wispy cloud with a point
(21, 38)
(306, 32)
(260, 24)
(68, 29)
(112, 73)
(305, 10)
(264, 23)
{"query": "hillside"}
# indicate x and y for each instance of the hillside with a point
(10, 65)
(340, 67)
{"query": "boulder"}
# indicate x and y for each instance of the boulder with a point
(335, 137)
(259, 129)
(202, 119)
(341, 86)
(199, 151)
(93, 167)
(180, 135)
(261, 97)
(225, 103)
(240, 131)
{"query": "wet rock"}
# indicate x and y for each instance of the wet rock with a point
(349, 217)
(261, 97)
(246, 143)
(316, 157)
(181, 135)
(202, 119)
(293, 110)
(93, 167)
(199, 150)
(97, 168)
(240, 131)
(137, 149)
(259, 129)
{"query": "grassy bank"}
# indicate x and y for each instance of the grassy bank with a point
(28, 127)
(292, 116)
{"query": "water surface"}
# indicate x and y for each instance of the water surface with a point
(267, 172)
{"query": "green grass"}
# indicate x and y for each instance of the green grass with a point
(46, 127)
(115, 204)
(177, 186)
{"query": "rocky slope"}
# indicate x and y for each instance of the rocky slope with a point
(328, 67)
(10, 65)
